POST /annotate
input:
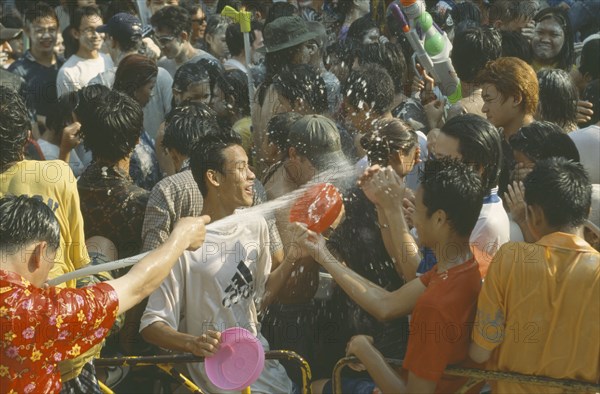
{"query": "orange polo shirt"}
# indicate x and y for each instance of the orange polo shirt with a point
(539, 311)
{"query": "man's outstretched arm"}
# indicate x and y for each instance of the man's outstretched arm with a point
(380, 303)
(145, 276)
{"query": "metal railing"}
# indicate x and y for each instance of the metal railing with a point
(167, 364)
(477, 376)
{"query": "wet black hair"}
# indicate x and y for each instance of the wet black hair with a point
(566, 56)
(360, 27)
(234, 85)
(543, 140)
(389, 136)
(515, 44)
(61, 114)
(24, 220)
(15, 125)
(589, 62)
(188, 74)
(558, 97)
(173, 18)
(455, 188)
(466, 11)
(372, 85)
(509, 10)
(303, 82)
(562, 189)
(214, 69)
(472, 49)
(185, 124)
(85, 101)
(113, 127)
(39, 10)
(207, 154)
(389, 56)
(480, 145)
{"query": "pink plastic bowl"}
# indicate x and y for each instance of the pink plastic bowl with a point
(239, 361)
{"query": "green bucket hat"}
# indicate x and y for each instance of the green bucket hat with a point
(286, 32)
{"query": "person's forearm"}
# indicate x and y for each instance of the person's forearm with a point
(404, 249)
(64, 155)
(372, 298)
(277, 279)
(384, 376)
(154, 268)
(164, 336)
(386, 236)
(145, 276)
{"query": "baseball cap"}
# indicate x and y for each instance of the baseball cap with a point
(317, 138)
(123, 26)
(286, 32)
(8, 33)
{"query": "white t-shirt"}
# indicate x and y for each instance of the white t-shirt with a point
(77, 72)
(587, 142)
(216, 287)
(51, 152)
(491, 231)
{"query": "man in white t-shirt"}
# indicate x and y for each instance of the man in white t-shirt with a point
(225, 283)
(88, 61)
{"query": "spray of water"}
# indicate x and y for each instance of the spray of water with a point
(340, 174)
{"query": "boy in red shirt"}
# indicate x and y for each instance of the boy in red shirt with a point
(442, 302)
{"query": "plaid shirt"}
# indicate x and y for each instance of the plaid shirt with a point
(172, 198)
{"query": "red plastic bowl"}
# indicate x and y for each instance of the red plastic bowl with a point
(318, 207)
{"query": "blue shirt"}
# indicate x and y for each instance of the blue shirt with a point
(40, 82)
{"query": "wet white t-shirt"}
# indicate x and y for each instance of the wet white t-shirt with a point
(217, 287)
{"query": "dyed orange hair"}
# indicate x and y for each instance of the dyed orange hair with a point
(512, 77)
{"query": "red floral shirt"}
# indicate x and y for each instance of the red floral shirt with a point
(40, 327)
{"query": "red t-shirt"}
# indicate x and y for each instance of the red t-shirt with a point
(441, 322)
(40, 327)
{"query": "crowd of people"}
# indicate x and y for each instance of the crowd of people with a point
(470, 228)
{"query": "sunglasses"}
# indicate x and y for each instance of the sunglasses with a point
(200, 21)
(164, 40)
